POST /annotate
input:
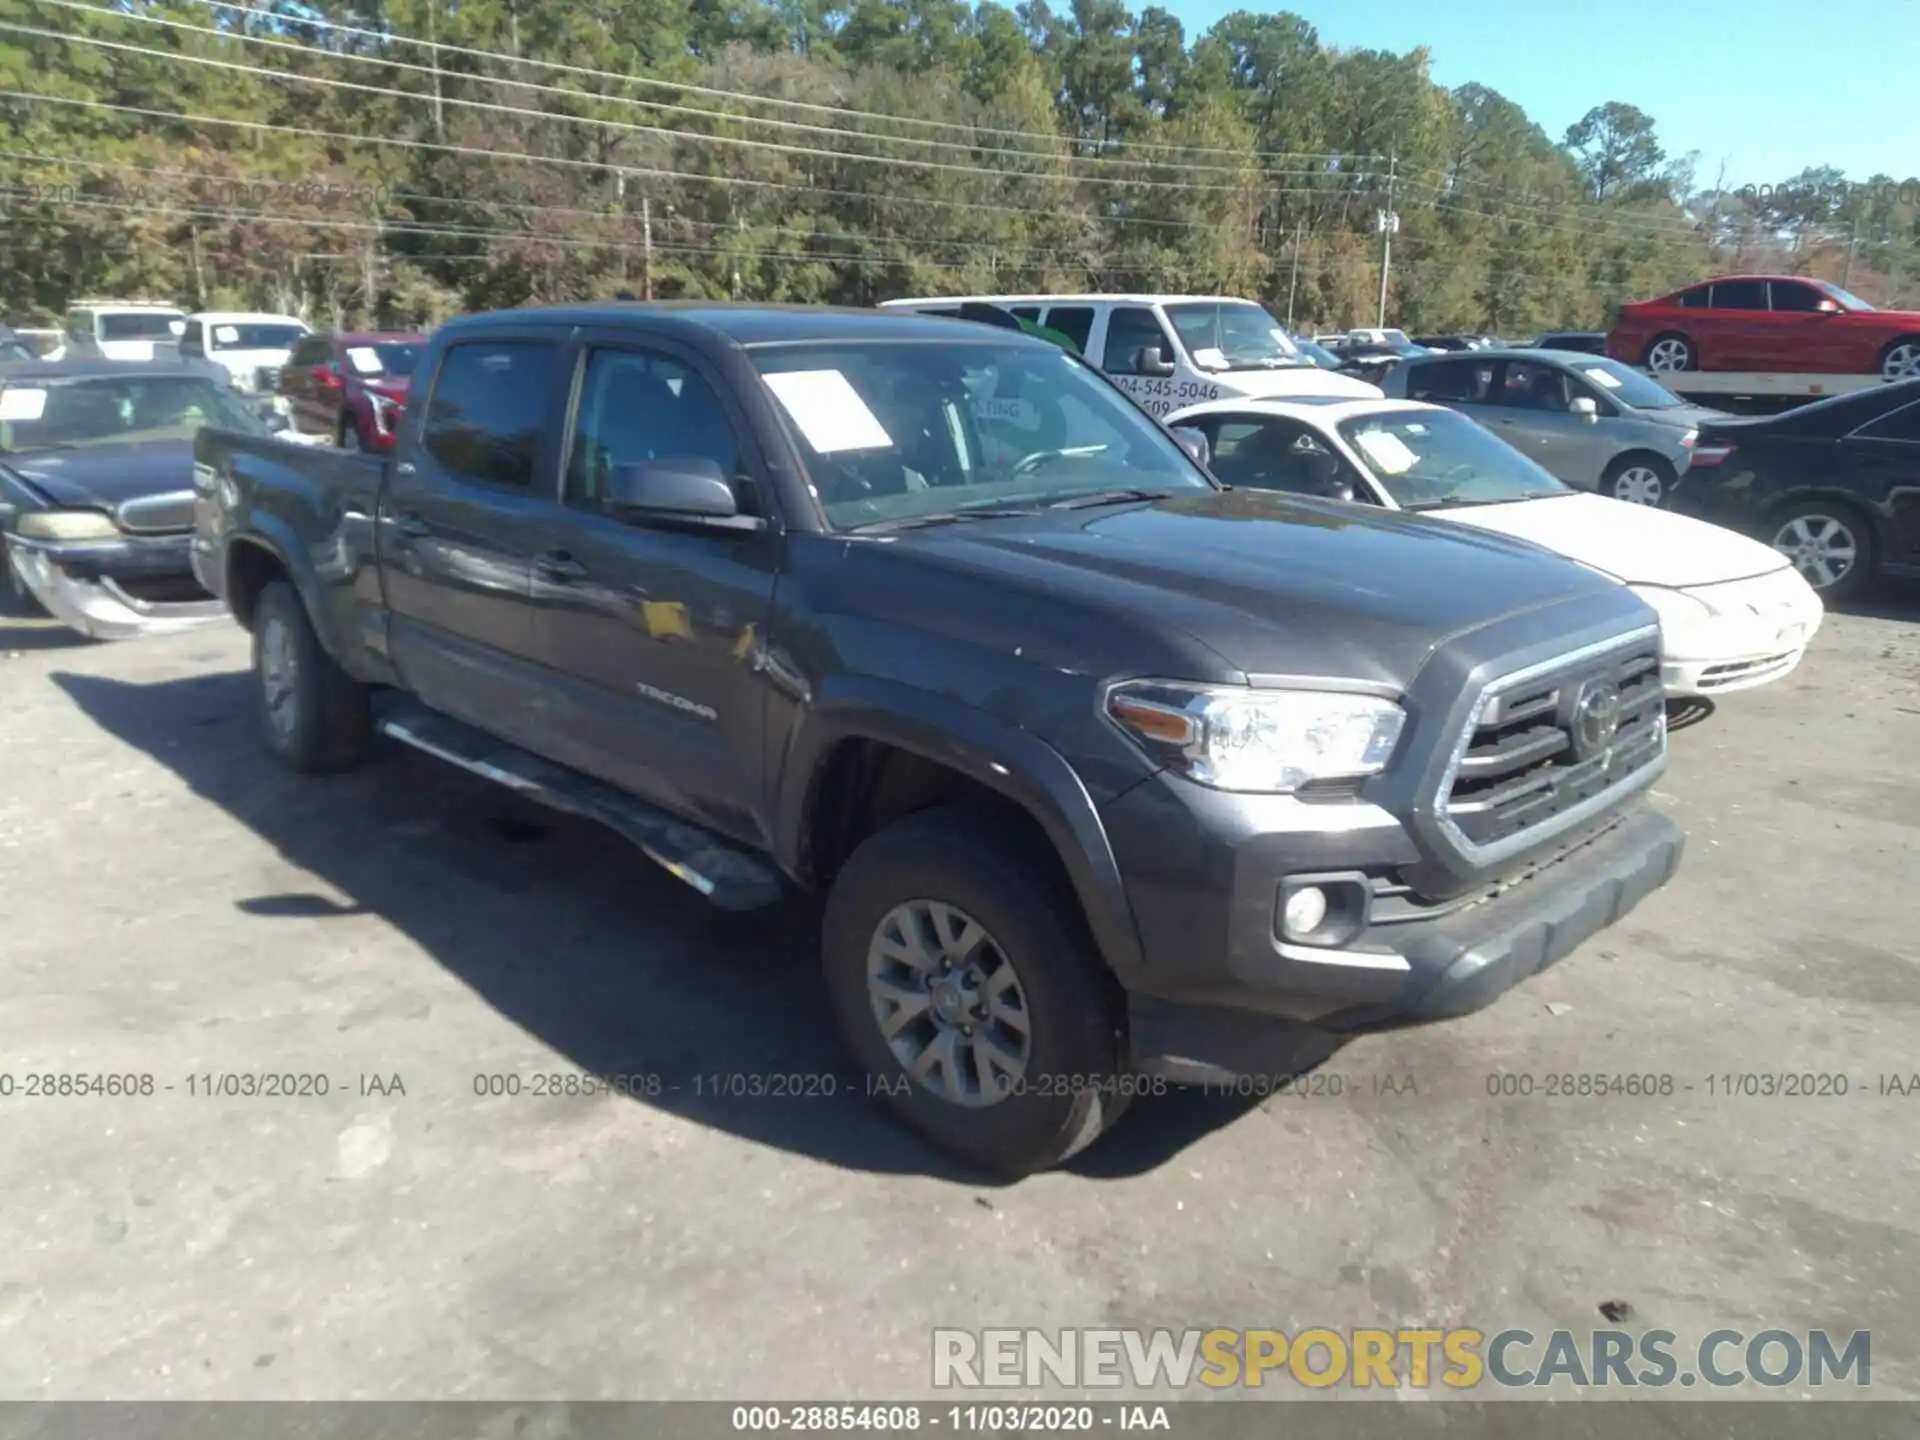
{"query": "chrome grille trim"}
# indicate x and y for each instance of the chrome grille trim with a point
(1643, 755)
(157, 514)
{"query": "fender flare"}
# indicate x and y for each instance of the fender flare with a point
(268, 532)
(984, 748)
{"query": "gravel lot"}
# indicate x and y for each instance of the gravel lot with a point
(172, 905)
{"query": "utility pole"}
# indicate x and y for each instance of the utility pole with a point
(433, 50)
(1853, 239)
(1293, 285)
(646, 252)
(1389, 221)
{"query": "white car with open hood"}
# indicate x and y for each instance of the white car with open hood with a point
(1734, 613)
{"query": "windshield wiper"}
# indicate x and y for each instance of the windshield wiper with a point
(1108, 497)
(943, 517)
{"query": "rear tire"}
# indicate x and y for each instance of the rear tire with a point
(1639, 480)
(1901, 359)
(1671, 353)
(315, 716)
(1039, 1071)
(1830, 543)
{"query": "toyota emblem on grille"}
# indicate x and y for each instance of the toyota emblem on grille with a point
(1596, 718)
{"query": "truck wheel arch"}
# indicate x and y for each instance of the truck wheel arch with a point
(252, 565)
(852, 723)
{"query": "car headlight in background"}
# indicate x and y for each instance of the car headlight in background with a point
(1676, 608)
(1267, 741)
(65, 525)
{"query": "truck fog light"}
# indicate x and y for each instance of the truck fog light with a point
(1305, 909)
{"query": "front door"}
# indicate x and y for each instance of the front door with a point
(1533, 413)
(1130, 330)
(459, 523)
(657, 628)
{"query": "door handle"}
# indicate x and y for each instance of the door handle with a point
(412, 525)
(559, 565)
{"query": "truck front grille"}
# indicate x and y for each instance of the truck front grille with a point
(157, 514)
(1552, 744)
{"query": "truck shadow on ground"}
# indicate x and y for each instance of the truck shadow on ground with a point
(571, 934)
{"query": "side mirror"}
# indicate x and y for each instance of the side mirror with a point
(1828, 307)
(1149, 361)
(1194, 442)
(1586, 407)
(686, 485)
(1340, 490)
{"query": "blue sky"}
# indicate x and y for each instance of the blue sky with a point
(1767, 86)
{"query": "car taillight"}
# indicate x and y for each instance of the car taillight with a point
(1710, 455)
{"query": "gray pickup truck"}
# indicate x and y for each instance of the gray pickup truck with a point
(1109, 777)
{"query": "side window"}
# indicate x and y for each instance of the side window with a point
(1901, 424)
(1801, 299)
(1530, 386)
(1130, 329)
(1073, 321)
(1740, 295)
(1461, 381)
(308, 352)
(638, 405)
(483, 421)
(1696, 298)
(1271, 454)
(191, 341)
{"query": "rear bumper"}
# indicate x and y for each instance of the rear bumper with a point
(104, 589)
(1411, 972)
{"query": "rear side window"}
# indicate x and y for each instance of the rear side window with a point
(1073, 321)
(1901, 424)
(1131, 329)
(192, 343)
(483, 422)
(1456, 380)
(1696, 298)
(1739, 294)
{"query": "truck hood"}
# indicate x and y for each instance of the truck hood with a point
(104, 476)
(1298, 380)
(1270, 584)
(1633, 543)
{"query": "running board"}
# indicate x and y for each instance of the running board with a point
(729, 878)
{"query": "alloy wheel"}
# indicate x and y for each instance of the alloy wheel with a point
(1822, 548)
(949, 1003)
(1669, 355)
(1639, 485)
(1902, 361)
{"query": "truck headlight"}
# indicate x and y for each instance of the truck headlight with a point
(65, 525)
(1270, 741)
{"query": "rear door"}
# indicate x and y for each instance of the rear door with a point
(655, 627)
(461, 517)
(1738, 326)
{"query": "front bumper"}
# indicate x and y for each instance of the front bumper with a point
(1757, 632)
(106, 589)
(1221, 994)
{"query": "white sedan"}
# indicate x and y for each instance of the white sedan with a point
(1734, 613)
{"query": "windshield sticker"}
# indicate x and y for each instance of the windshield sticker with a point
(1388, 452)
(364, 358)
(1210, 359)
(829, 411)
(1008, 412)
(20, 403)
(1610, 381)
(225, 335)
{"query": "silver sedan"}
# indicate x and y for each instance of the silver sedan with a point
(1592, 422)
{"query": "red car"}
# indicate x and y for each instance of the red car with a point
(1771, 324)
(351, 388)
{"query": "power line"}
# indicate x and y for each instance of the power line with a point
(812, 152)
(389, 37)
(971, 149)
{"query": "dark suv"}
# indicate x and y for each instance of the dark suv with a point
(1108, 777)
(350, 388)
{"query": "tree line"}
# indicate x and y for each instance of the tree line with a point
(393, 162)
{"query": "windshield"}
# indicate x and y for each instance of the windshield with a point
(141, 324)
(384, 358)
(254, 337)
(1429, 458)
(1318, 354)
(116, 410)
(1627, 385)
(897, 431)
(1233, 335)
(1846, 298)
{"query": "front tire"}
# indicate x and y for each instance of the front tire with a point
(1639, 480)
(16, 601)
(967, 989)
(315, 716)
(1831, 545)
(1901, 359)
(1671, 353)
